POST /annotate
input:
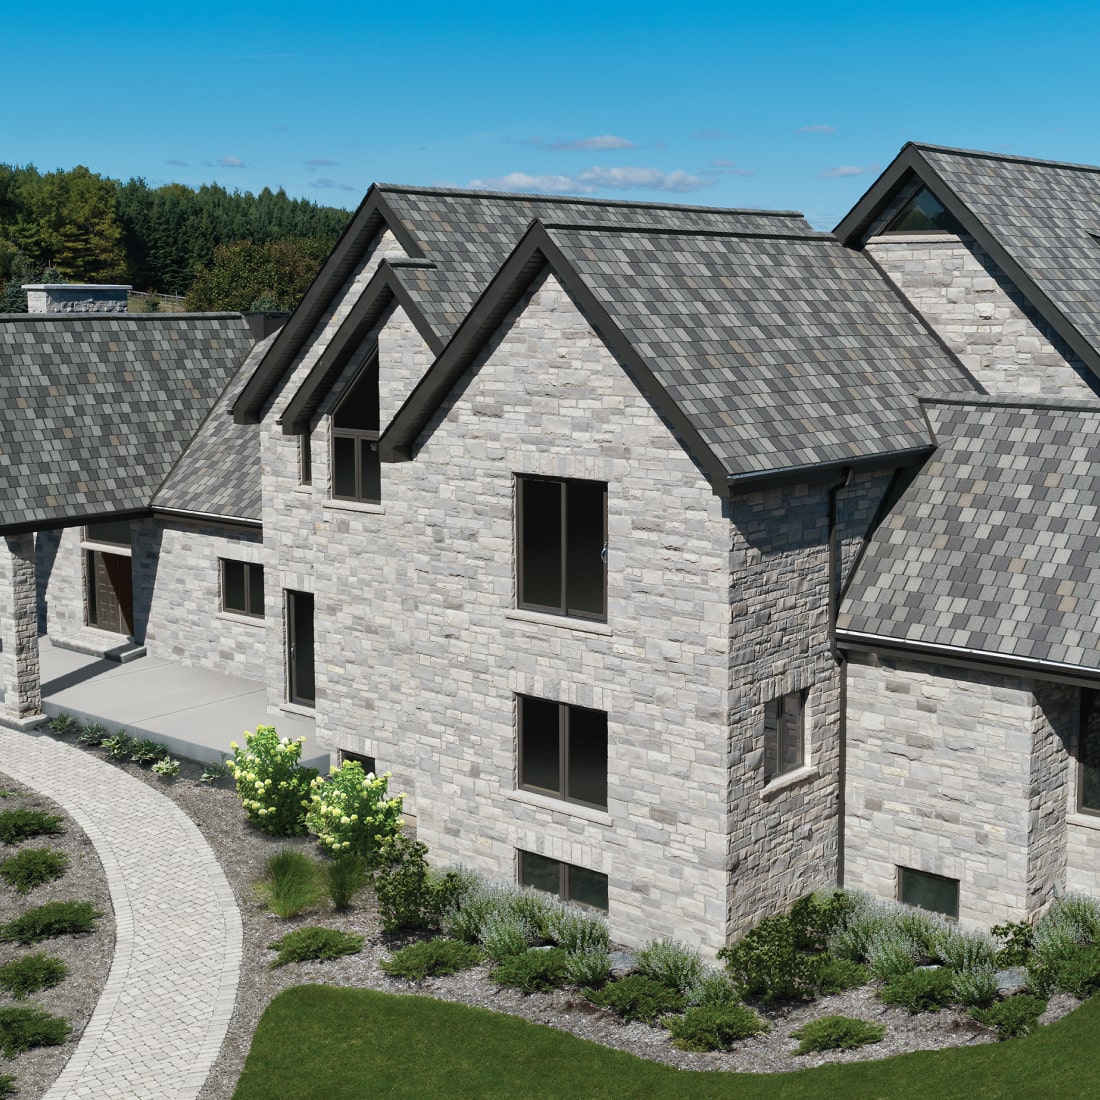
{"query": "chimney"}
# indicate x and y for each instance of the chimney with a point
(75, 298)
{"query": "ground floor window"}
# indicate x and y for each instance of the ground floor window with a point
(565, 880)
(243, 588)
(928, 891)
(1088, 754)
(365, 762)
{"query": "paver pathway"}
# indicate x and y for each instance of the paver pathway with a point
(160, 1022)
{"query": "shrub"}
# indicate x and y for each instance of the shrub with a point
(837, 975)
(815, 917)
(19, 825)
(1079, 914)
(964, 950)
(272, 785)
(1080, 973)
(93, 734)
(32, 867)
(1054, 944)
(591, 968)
(714, 989)
(464, 920)
(977, 987)
(147, 752)
(891, 953)
(290, 883)
(1016, 943)
(31, 974)
(837, 1033)
(577, 932)
(535, 971)
(166, 768)
(64, 725)
(8, 1087)
(671, 963)
(314, 944)
(714, 1027)
(431, 957)
(1012, 1017)
(120, 746)
(350, 811)
(344, 876)
(765, 963)
(26, 1028)
(926, 990)
(55, 918)
(536, 909)
(505, 934)
(403, 885)
(213, 771)
(637, 997)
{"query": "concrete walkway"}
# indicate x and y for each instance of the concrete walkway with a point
(163, 1015)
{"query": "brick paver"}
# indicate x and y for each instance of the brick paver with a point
(161, 1019)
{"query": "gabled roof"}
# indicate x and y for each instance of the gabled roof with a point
(1038, 220)
(96, 408)
(992, 549)
(219, 474)
(456, 241)
(770, 353)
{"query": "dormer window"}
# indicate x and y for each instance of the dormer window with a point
(356, 471)
(923, 213)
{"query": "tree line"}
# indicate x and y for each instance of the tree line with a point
(222, 249)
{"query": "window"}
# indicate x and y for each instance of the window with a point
(305, 459)
(784, 734)
(928, 891)
(923, 213)
(356, 470)
(1088, 754)
(365, 762)
(561, 545)
(243, 588)
(115, 532)
(563, 751)
(566, 881)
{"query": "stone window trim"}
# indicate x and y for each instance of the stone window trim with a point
(88, 540)
(242, 605)
(780, 783)
(561, 547)
(562, 622)
(361, 507)
(532, 869)
(570, 810)
(569, 741)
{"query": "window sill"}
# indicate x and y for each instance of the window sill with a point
(540, 618)
(1084, 821)
(354, 506)
(240, 617)
(790, 779)
(559, 805)
(299, 709)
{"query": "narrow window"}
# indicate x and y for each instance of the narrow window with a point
(564, 880)
(1088, 754)
(243, 588)
(305, 459)
(928, 891)
(356, 470)
(784, 734)
(563, 751)
(562, 546)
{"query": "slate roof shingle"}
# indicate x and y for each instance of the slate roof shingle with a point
(95, 408)
(993, 547)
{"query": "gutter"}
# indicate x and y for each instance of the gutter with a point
(206, 517)
(842, 672)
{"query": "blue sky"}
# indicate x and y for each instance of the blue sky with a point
(782, 105)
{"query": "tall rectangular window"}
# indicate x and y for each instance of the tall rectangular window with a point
(243, 588)
(356, 469)
(563, 751)
(784, 734)
(1088, 753)
(565, 880)
(561, 544)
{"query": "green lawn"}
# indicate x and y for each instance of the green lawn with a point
(333, 1043)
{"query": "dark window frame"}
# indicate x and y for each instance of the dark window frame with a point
(248, 567)
(305, 458)
(562, 607)
(928, 876)
(913, 202)
(778, 756)
(564, 879)
(360, 438)
(565, 711)
(1088, 746)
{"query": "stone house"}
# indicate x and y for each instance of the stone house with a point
(617, 532)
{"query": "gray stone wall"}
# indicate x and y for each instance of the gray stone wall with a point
(957, 773)
(63, 597)
(177, 596)
(981, 315)
(19, 670)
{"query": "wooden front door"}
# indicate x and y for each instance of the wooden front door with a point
(110, 592)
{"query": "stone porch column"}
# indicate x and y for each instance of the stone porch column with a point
(19, 669)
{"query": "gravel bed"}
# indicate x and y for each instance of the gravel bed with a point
(88, 956)
(242, 852)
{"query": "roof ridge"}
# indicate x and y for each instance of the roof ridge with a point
(140, 318)
(1007, 401)
(980, 154)
(632, 204)
(676, 231)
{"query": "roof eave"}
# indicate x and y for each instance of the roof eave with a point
(753, 481)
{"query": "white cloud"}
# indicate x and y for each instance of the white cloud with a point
(328, 185)
(843, 170)
(725, 168)
(230, 162)
(820, 128)
(601, 141)
(597, 179)
(178, 163)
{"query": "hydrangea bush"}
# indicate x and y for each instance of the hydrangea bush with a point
(273, 787)
(351, 812)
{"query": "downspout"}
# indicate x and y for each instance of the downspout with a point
(842, 670)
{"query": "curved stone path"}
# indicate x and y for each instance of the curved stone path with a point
(161, 1019)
